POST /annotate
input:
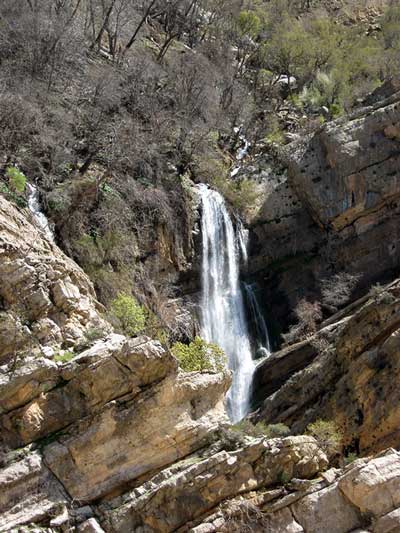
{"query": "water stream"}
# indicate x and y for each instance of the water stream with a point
(223, 317)
(39, 217)
(263, 345)
(242, 152)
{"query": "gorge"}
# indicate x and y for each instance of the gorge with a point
(199, 266)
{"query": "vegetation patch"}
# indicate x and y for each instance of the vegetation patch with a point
(199, 356)
(64, 357)
(328, 436)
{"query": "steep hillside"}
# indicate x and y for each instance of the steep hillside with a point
(199, 266)
(116, 438)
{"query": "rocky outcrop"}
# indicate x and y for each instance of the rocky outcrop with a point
(352, 381)
(335, 209)
(180, 495)
(46, 300)
(123, 443)
(29, 493)
(96, 410)
(347, 174)
(362, 497)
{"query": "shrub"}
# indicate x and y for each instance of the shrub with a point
(375, 290)
(350, 458)
(308, 315)
(64, 357)
(337, 290)
(321, 344)
(260, 429)
(91, 336)
(381, 295)
(155, 329)
(129, 313)
(241, 194)
(19, 200)
(327, 435)
(17, 179)
(199, 356)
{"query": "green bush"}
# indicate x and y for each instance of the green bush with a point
(64, 357)
(129, 313)
(249, 24)
(17, 179)
(241, 194)
(260, 429)
(327, 435)
(199, 356)
(350, 458)
(13, 196)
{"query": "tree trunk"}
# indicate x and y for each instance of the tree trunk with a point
(103, 27)
(135, 33)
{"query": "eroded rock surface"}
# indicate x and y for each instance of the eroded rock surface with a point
(46, 299)
(335, 209)
(354, 381)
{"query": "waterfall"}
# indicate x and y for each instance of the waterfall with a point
(261, 330)
(39, 217)
(223, 319)
(243, 239)
(242, 152)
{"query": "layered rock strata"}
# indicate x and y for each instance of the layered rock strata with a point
(353, 379)
(46, 300)
(336, 208)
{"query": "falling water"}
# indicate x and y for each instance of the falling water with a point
(242, 235)
(223, 318)
(39, 217)
(261, 330)
(241, 152)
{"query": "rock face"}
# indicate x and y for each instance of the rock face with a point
(347, 174)
(116, 413)
(117, 439)
(337, 209)
(353, 382)
(362, 497)
(46, 299)
(176, 497)
(29, 493)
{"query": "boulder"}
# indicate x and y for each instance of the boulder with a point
(374, 486)
(129, 439)
(175, 497)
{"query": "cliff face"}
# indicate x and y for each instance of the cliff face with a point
(346, 179)
(46, 299)
(118, 439)
(336, 210)
(353, 380)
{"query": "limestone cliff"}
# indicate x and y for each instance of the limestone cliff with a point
(116, 438)
(46, 300)
(335, 208)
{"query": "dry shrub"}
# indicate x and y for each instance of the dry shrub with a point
(308, 316)
(242, 516)
(337, 290)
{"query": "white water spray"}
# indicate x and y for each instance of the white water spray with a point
(242, 235)
(223, 319)
(262, 335)
(39, 217)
